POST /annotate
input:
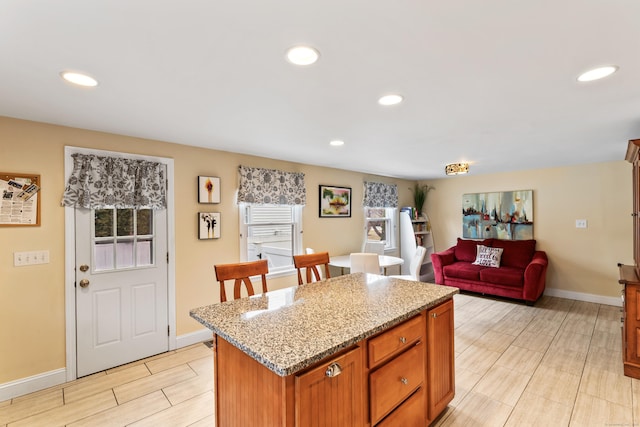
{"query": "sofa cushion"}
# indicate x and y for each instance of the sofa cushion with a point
(463, 270)
(506, 276)
(465, 249)
(517, 253)
(488, 257)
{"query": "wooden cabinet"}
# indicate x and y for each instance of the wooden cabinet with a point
(402, 376)
(441, 357)
(630, 277)
(331, 394)
(397, 360)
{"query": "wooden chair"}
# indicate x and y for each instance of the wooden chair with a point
(311, 262)
(241, 272)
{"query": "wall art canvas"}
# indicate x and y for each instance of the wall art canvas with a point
(208, 189)
(208, 225)
(335, 202)
(504, 215)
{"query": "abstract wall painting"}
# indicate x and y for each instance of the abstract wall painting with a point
(506, 215)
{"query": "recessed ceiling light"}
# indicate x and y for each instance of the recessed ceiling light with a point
(79, 79)
(302, 55)
(390, 99)
(597, 73)
(336, 143)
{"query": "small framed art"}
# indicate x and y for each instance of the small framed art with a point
(335, 202)
(208, 225)
(208, 189)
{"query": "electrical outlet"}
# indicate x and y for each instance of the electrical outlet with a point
(581, 223)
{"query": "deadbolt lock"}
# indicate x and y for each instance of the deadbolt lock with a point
(84, 267)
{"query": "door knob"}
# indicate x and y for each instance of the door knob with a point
(84, 267)
(84, 283)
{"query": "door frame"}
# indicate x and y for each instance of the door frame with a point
(70, 255)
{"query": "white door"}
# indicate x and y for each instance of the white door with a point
(121, 287)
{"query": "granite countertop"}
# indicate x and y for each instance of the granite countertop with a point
(290, 329)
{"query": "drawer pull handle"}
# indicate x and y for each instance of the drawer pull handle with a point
(434, 315)
(403, 340)
(404, 381)
(333, 370)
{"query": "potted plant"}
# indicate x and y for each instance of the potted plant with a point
(420, 196)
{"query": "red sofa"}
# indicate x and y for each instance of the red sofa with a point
(521, 274)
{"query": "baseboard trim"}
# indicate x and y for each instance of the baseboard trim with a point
(30, 384)
(581, 296)
(194, 337)
(59, 376)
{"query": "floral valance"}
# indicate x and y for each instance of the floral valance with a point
(271, 187)
(380, 195)
(113, 182)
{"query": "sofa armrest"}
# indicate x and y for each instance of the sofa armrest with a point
(441, 259)
(535, 276)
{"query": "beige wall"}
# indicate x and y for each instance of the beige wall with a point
(32, 297)
(580, 260)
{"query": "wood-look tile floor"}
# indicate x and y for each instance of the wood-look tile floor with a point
(555, 364)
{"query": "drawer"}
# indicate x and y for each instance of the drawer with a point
(394, 382)
(412, 413)
(395, 340)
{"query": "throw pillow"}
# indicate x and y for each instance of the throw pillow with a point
(488, 257)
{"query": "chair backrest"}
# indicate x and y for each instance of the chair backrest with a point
(241, 272)
(310, 262)
(374, 247)
(416, 262)
(362, 262)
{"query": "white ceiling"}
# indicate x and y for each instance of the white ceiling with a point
(490, 82)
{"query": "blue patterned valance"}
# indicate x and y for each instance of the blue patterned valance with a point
(260, 186)
(113, 182)
(380, 195)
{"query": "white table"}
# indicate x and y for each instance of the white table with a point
(344, 261)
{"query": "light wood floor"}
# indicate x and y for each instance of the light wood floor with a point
(555, 364)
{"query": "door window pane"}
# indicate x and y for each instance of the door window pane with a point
(144, 255)
(144, 222)
(124, 254)
(125, 222)
(103, 219)
(133, 243)
(103, 256)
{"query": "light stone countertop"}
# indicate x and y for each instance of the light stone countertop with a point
(290, 329)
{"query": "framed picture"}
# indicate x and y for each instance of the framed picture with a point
(20, 203)
(506, 215)
(208, 225)
(208, 189)
(335, 202)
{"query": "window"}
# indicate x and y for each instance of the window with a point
(122, 239)
(380, 225)
(273, 233)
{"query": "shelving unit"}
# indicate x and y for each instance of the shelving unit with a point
(413, 233)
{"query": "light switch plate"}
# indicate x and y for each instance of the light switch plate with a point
(581, 223)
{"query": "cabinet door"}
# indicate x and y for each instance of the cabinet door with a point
(409, 414)
(332, 393)
(632, 323)
(440, 358)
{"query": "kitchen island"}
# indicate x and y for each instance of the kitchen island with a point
(355, 350)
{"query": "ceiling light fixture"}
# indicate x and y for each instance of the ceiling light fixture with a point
(392, 99)
(302, 55)
(336, 143)
(597, 73)
(79, 79)
(456, 168)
